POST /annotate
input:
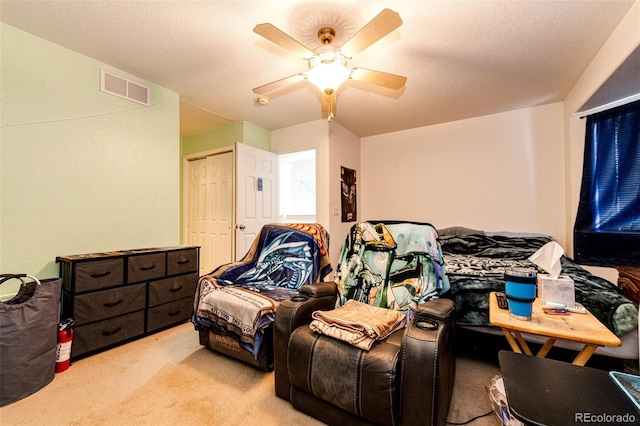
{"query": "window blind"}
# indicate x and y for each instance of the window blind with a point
(607, 227)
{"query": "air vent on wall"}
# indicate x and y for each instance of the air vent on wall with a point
(124, 88)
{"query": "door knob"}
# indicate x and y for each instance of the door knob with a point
(240, 227)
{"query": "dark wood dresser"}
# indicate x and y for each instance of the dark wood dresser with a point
(118, 296)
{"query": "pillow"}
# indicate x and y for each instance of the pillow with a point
(516, 234)
(459, 231)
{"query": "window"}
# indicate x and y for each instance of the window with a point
(607, 228)
(297, 187)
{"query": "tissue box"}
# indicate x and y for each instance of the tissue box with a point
(556, 290)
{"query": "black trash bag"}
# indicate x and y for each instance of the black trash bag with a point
(28, 337)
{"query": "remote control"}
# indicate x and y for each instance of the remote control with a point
(502, 301)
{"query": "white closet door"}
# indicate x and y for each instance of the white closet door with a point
(210, 209)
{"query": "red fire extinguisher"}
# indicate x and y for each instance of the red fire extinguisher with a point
(65, 338)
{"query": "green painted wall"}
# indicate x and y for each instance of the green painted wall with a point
(242, 132)
(256, 136)
(80, 170)
(213, 139)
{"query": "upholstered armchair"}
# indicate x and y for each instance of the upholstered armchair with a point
(405, 378)
(234, 305)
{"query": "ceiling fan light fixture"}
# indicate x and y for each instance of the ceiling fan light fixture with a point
(328, 70)
(328, 75)
(328, 63)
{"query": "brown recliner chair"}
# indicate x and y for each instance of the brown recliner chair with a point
(234, 304)
(406, 378)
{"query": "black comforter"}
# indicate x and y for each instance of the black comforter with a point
(475, 265)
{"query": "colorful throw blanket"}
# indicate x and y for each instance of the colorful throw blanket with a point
(281, 259)
(357, 323)
(239, 310)
(391, 265)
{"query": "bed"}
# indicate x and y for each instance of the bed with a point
(475, 262)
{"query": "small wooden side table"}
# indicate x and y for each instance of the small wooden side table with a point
(580, 328)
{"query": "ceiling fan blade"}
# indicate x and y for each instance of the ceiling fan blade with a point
(385, 22)
(275, 35)
(278, 84)
(379, 78)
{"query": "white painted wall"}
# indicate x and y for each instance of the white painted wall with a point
(502, 172)
(344, 151)
(335, 146)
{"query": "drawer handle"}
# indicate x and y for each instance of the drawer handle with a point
(183, 262)
(111, 332)
(173, 290)
(173, 314)
(147, 268)
(100, 275)
(112, 304)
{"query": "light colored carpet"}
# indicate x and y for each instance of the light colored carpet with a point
(169, 379)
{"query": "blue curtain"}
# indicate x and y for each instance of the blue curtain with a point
(607, 228)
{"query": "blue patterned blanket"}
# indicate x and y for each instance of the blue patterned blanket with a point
(240, 299)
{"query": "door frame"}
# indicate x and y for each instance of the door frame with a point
(185, 191)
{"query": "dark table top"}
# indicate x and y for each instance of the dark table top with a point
(543, 391)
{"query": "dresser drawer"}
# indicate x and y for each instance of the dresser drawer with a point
(163, 291)
(169, 313)
(108, 332)
(98, 274)
(182, 261)
(103, 304)
(146, 267)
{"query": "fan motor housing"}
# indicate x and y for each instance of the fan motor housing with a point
(326, 35)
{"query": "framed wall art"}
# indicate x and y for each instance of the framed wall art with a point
(348, 194)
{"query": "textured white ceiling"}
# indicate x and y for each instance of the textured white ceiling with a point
(462, 58)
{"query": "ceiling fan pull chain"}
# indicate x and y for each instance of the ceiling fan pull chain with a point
(330, 115)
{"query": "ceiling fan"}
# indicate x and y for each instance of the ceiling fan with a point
(328, 64)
